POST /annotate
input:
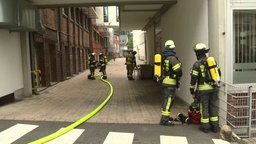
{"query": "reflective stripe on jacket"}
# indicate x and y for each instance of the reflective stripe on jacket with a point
(198, 81)
(171, 70)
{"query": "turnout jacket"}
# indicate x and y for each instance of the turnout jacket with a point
(172, 71)
(198, 80)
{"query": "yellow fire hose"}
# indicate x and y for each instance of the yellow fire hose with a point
(78, 122)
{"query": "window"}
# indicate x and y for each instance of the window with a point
(86, 23)
(72, 11)
(65, 11)
(105, 13)
(244, 39)
(81, 18)
(77, 15)
(117, 14)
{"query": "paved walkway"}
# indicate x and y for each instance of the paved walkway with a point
(137, 101)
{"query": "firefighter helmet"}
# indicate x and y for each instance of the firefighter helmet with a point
(169, 44)
(201, 47)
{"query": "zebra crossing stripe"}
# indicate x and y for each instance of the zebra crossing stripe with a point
(173, 140)
(119, 138)
(15, 132)
(67, 138)
(220, 141)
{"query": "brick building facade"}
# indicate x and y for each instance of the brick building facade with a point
(61, 49)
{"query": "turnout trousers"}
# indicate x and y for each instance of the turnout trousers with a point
(129, 68)
(208, 108)
(168, 94)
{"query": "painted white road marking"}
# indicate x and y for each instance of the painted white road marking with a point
(173, 140)
(119, 138)
(220, 141)
(67, 138)
(15, 132)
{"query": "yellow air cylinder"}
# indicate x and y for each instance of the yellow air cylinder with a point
(157, 65)
(213, 69)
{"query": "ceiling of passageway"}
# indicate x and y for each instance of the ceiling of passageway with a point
(134, 14)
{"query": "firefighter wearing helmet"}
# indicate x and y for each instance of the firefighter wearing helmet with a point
(130, 64)
(205, 92)
(92, 64)
(172, 72)
(102, 63)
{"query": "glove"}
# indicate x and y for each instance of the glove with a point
(183, 118)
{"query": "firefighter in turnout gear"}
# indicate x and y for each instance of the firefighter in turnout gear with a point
(92, 64)
(170, 77)
(208, 94)
(130, 64)
(102, 63)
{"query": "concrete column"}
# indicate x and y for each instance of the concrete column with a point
(150, 45)
(25, 52)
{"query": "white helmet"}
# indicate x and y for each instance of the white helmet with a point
(169, 44)
(200, 46)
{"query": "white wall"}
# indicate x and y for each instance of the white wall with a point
(111, 16)
(111, 40)
(217, 33)
(11, 74)
(139, 43)
(186, 23)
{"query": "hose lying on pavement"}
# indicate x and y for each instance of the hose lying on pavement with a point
(78, 122)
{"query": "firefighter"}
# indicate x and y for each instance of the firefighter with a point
(92, 64)
(171, 75)
(102, 63)
(130, 64)
(208, 94)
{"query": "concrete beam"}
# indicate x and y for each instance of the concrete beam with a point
(76, 3)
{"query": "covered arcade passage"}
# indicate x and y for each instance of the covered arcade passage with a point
(134, 14)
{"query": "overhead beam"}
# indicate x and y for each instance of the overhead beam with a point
(158, 15)
(69, 3)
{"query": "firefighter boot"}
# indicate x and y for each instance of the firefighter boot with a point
(166, 121)
(214, 127)
(92, 77)
(130, 77)
(204, 127)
